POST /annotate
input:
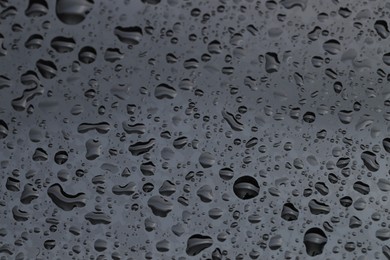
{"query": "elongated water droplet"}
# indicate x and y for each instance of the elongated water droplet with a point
(369, 160)
(164, 91)
(142, 147)
(332, 47)
(63, 44)
(130, 35)
(64, 200)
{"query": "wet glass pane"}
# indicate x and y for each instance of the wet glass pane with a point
(179, 129)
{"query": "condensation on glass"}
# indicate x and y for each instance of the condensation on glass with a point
(178, 129)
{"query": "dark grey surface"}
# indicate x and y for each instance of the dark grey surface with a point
(194, 129)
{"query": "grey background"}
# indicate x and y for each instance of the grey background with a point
(262, 105)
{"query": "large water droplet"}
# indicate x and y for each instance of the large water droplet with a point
(73, 12)
(197, 243)
(64, 200)
(160, 206)
(369, 160)
(315, 241)
(246, 187)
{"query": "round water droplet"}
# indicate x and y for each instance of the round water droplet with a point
(246, 187)
(206, 160)
(87, 55)
(73, 12)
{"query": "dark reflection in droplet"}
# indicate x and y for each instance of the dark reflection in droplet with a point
(315, 241)
(63, 44)
(164, 91)
(47, 68)
(369, 160)
(346, 201)
(130, 35)
(232, 121)
(3, 129)
(197, 243)
(332, 47)
(64, 200)
(73, 12)
(34, 41)
(98, 217)
(289, 212)
(36, 8)
(40, 155)
(318, 208)
(246, 187)
(61, 157)
(386, 144)
(226, 174)
(309, 117)
(141, 147)
(361, 187)
(87, 55)
(160, 206)
(382, 28)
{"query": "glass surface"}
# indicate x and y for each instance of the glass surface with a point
(178, 129)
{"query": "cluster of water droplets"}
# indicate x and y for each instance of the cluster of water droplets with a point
(167, 129)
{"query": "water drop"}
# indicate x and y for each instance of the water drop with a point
(72, 12)
(315, 241)
(246, 187)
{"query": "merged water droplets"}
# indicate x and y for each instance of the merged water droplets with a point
(160, 206)
(315, 241)
(127, 189)
(64, 200)
(289, 212)
(232, 121)
(142, 147)
(101, 127)
(272, 62)
(93, 149)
